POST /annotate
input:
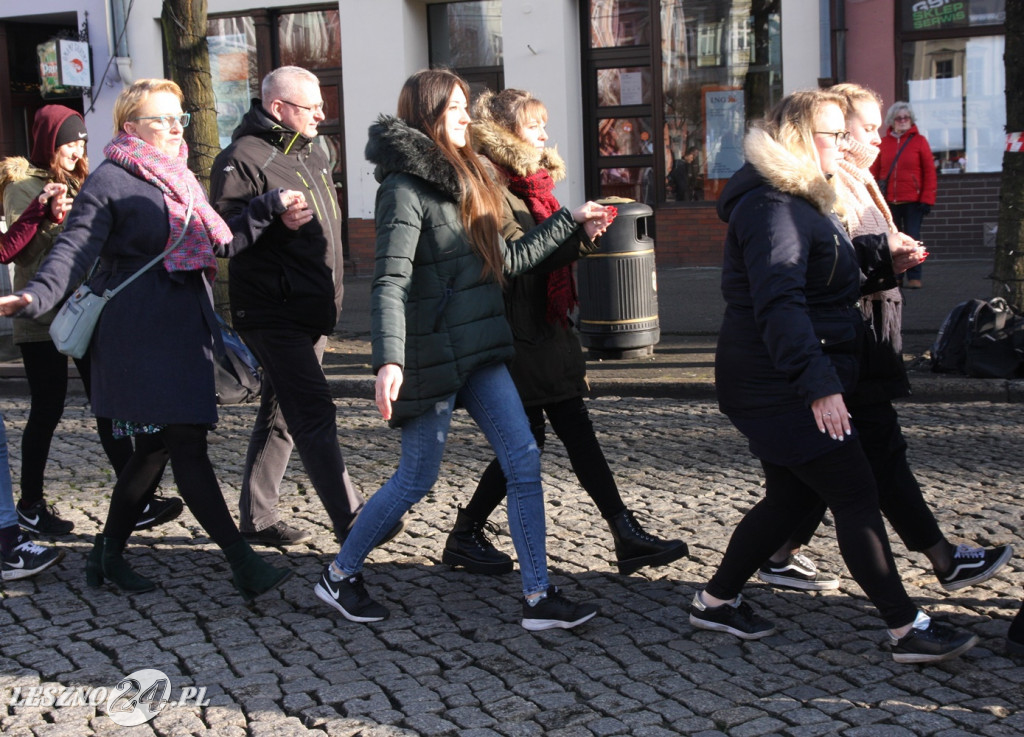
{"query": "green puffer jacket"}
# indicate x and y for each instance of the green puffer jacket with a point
(430, 311)
(21, 183)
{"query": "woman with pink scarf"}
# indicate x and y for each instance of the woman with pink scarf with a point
(153, 349)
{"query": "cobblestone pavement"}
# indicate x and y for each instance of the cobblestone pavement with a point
(453, 659)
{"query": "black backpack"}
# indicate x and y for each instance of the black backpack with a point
(237, 374)
(980, 338)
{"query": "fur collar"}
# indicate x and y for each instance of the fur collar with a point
(786, 173)
(510, 152)
(18, 168)
(396, 147)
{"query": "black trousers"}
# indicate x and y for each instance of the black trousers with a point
(899, 493)
(842, 479)
(296, 410)
(186, 447)
(571, 423)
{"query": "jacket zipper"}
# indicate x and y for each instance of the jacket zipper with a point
(448, 291)
(835, 260)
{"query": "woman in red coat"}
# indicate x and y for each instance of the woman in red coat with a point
(905, 171)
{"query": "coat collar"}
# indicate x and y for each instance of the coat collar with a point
(396, 147)
(786, 172)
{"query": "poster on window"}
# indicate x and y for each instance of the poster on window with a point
(229, 69)
(724, 122)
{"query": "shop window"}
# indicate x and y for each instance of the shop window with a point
(674, 84)
(466, 38)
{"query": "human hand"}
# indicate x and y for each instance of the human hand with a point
(297, 213)
(389, 381)
(595, 218)
(906, 252)
(60, 203)
(13, 303)
(831, 416)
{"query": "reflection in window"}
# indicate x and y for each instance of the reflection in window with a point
(631, 182)
(625, 137)
(310, 40)
(620, 23)
(233, 70)
(465, 34)
(623, 86)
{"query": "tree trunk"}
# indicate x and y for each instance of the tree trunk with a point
(1008, 271)
(184, 30)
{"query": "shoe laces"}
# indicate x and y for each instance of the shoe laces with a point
(480, 530)
(968, 551)
(637, 530)
(30, 547)
(804, 561)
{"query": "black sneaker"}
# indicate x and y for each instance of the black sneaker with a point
(158, 511)
(349, 597)
(974, 565)
(278, 535)
(43, 519)
(737, 619)
(930, 642)
(797, 572)
(27, 559)
(554, 611)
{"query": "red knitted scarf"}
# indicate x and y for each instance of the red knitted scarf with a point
(537, 191)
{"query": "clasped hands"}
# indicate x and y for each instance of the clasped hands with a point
(297, 212)
(594, 218)
(906, 252)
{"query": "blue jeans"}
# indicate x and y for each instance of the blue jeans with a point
(908, 218)
(8, 515)
(492, 401)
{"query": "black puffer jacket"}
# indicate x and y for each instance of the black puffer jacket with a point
(431, 313)
(791, 279)
(287, 279)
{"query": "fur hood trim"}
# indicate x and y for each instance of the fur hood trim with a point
(396, 147)
(510, 152)
(786, 172)
(16, 169)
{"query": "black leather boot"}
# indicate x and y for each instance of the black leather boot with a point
(251, 574)
(469, 547)
(94, 564)
(118, 572)
(636, 548)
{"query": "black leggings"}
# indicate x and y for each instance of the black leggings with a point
(186, 447)
(47, 372)
(571, 423)
(841, 478)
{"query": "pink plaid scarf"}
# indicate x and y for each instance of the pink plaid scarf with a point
(172, 176)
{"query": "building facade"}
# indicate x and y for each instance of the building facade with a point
(648, 99)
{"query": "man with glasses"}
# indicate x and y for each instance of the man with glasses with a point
(286, 294)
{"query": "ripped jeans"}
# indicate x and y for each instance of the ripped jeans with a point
(492, 401)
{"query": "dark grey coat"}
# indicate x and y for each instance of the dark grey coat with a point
(431, 312)
(152, 352)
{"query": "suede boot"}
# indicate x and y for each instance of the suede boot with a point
(468, 546)
(116, 569)
(636, 548)
(251, 574)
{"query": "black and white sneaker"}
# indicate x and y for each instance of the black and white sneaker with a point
(27, 559)
(554, 611)
(974, 565)
(737, 619)
(348, 596)
(797, 572)
(43, 519)
(159, 511)
(930, 642)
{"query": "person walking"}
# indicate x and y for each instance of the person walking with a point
(788, 351)
(57, 157)
(905, 172)
(440, 337)
(286, 294)
(882, 378)
(154, 345)
(509, 129)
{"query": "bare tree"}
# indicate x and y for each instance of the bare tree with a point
(1008, 272)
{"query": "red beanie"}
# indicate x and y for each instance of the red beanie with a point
(48, 123)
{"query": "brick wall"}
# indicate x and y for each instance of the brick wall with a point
(360, 248)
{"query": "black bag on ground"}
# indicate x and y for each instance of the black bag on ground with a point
(980, 338)
(237, 373)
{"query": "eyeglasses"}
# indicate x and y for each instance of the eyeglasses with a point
(166, 122)
(841, 136)
(318, 108)
(902, 117)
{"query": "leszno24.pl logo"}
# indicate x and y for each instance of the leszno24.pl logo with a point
(134, 700)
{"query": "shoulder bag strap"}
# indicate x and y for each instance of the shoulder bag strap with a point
(898, 152)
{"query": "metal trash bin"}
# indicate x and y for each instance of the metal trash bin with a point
(618, 288)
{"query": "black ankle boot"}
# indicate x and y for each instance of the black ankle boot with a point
(94, 564)
(116, 569)
(636, 548)
(469, 547)
(251, 574)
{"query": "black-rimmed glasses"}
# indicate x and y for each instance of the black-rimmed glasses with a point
(841, 136)
(166, 122)
(318, 108)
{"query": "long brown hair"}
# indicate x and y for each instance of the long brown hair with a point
(422, 104)
(72, 179)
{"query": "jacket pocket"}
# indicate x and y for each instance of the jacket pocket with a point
(837, 333)
(445, 299)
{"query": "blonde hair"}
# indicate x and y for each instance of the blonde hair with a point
(791, 122)
(512, 109)
(855, 94)
(132, 97)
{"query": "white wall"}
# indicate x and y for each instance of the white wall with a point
(801, 52)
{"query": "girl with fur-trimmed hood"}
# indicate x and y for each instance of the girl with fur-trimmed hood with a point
(548, 368)
(788, 352)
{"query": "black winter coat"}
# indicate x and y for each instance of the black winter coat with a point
(431, 312)
(288, 279)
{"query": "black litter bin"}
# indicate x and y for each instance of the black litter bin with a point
(618, 289)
